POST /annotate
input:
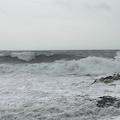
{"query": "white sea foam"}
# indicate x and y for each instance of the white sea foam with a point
(27, 94)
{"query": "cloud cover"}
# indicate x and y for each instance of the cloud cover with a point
(100, 6)
(59, 24)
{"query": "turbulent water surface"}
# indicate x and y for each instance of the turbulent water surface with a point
(57, 85)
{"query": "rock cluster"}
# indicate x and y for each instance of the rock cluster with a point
(108, 79)
(107, 101)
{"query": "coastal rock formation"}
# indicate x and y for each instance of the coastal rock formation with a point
(108, 79)
(107, 101)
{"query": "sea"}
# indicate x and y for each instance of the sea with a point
(57, 84)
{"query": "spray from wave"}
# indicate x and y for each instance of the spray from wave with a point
(117, 57)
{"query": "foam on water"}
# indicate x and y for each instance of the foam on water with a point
(32, 97)
(41, 92)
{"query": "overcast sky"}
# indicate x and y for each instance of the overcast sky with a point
(59, 24)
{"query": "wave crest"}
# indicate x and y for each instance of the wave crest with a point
(27, 56)
(117, 57)
(35, 57)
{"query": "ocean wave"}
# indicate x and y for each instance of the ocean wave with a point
(35, 57)
(85, 66)
(26, 56)
(51, 56)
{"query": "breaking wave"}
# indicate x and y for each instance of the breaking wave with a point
(85, 66)
(35, 57)
(117, 57)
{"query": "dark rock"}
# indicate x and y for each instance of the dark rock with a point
(112, 84)
(108, 79)
(107, 101)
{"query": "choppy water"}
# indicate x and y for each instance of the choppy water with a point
(51, 56)
(57, 85)
(86, 62)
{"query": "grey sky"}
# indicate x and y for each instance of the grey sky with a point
(59, 24)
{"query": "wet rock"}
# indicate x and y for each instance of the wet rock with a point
(108, 79)
(107, 101)
(112, 84)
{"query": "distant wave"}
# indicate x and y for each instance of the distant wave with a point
(35, 57)
(85, 66)
(26, 56)
(51, 56)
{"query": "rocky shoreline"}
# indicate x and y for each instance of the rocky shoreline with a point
(108, 79)
(108, 101)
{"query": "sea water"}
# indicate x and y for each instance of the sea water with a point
(57, 85)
